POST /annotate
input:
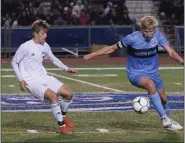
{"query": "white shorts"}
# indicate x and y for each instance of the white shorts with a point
(37, 87)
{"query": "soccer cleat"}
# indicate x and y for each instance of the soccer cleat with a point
(64, 130)
(166, 121)
(68, 123)
(174, 126)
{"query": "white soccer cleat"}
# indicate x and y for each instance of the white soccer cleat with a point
(166, 121)
(174, 126)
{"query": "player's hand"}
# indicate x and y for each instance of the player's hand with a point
(70, 70)
(23, 85)
(182, 62)
(89, 56)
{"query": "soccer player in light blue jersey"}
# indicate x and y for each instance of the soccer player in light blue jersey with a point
(143, 63)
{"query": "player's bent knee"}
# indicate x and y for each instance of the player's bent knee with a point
(69, 96)
(151, 87)
(51, 96)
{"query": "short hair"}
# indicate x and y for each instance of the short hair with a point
(38, 25)
(148, 22)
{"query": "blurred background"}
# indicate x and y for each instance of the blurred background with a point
(78, 27)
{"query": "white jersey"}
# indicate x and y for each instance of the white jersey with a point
(27, 62)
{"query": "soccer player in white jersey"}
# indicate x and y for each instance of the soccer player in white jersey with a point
(142, 64)
(27, 64)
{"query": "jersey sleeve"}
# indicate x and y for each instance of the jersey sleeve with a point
(125, 42)
(162, 40)
(18, 57)
(55, 60)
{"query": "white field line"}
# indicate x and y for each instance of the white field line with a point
(103, 93)
(7, 76)
(89, 111)
(177, 83)
(95, 75)
(98, 68)
(88, 83)
(78, 75)
(78, 132)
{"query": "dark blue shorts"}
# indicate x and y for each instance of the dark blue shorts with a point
(155, 77)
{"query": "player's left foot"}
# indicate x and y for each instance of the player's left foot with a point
(68, 122)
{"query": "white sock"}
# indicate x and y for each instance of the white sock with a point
(56, 110)
(64, 104)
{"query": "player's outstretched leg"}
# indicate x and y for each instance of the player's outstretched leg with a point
(175, 125)
(64, 99)
(155, 99)
(56, 111)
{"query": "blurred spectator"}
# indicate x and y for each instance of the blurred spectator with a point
(93, 15)
(59, 21)
(77, 9)
(125, 18)
(84, 18)
(7, 21)
(171, 12)
(55, 4)
(163, 18)
(60, 12)
(114, 17)
(66, 13)
(108, 8)
(23, 19)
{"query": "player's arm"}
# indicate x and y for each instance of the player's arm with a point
(58, 63)
(173, 54)
(104, 51)
(123, 43)
(18, 57)
(165, 44)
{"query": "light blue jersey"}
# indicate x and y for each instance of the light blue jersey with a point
(142, 56)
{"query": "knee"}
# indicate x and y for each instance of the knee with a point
(51, 96)
(54, 99)
(69, 96)
(151, 87)
(151, 84)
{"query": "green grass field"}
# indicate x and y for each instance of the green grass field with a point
(122, 126)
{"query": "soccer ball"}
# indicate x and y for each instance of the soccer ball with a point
(140, 104)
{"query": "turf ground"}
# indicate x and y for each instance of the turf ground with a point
(99, 103)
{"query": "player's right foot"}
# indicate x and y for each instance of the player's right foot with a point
(175, 126)
(68, 122)
(166, 121)
(64, 130)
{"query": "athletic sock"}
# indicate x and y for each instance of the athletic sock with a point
(56, 111)
(64, 105)
(156, 101)
(166, 109)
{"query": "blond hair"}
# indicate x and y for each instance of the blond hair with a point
(148, 22)
(38, 25)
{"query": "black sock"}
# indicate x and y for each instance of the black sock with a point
(61, 123)
(64, 113)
